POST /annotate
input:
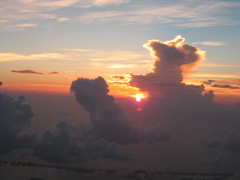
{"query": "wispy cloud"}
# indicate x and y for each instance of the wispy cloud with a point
(27, 72)
(181, 13)
(219, 65)
(44, 56)
(34, 72)
(30, 10)
(210, 43)
(185, 13)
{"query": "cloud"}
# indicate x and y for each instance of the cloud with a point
(100, 148)
(58, 146)
(27, 72)
(62, 146)
(225, 86)
(54, 73)
(215, 161)
(184, 13)
(210, 143)
(232, 143)
(18, 57)
(210, 43)
(108, 118)
(118, 77)
(172, 59)
(208, 82)
(34, 72)
(14, 116)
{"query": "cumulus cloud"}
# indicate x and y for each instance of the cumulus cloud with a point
(108, 118)
(208, 82)
(14, 116)
(172, 60)
(58, 146)
(62, 146)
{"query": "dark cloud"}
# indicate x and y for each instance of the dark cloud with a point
(27, 72)
(214, 161)
(232, 143)
(34, 72)
(225, 86)
(1, 83)
(208, 82)
(58, 146)
(100, 148)
(54, 73)
(62, 146)
(157, 133)
(118, 77)
(14, 116)
(210, 142)
(107, 117)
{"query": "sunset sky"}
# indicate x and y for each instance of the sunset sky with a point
(70, 71)
(47, 44)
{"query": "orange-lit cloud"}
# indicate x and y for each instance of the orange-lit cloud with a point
(14, 56)
(172, 60)
(210, 43)
(54, 73)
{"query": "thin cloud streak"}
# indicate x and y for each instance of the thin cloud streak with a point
(186, 14)
(210, 43)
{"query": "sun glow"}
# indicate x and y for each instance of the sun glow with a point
(139, 97)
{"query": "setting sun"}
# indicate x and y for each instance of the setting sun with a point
(138, 97)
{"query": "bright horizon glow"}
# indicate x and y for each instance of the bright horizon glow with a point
(139, 97)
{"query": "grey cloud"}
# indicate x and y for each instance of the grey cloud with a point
(225, 86)
(14, 116)
(58, 146)
(210, 142)
(232, 143)
(100, 148)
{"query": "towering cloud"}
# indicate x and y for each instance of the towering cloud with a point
(107, 117)
(173, 59)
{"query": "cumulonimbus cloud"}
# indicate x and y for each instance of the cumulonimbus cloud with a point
(173, 60)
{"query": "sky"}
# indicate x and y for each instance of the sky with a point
(70, 71)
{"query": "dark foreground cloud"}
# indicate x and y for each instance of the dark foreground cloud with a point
(232, 143)
(14, 116)
(58, 146)
(62, 146)
(108, 118)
